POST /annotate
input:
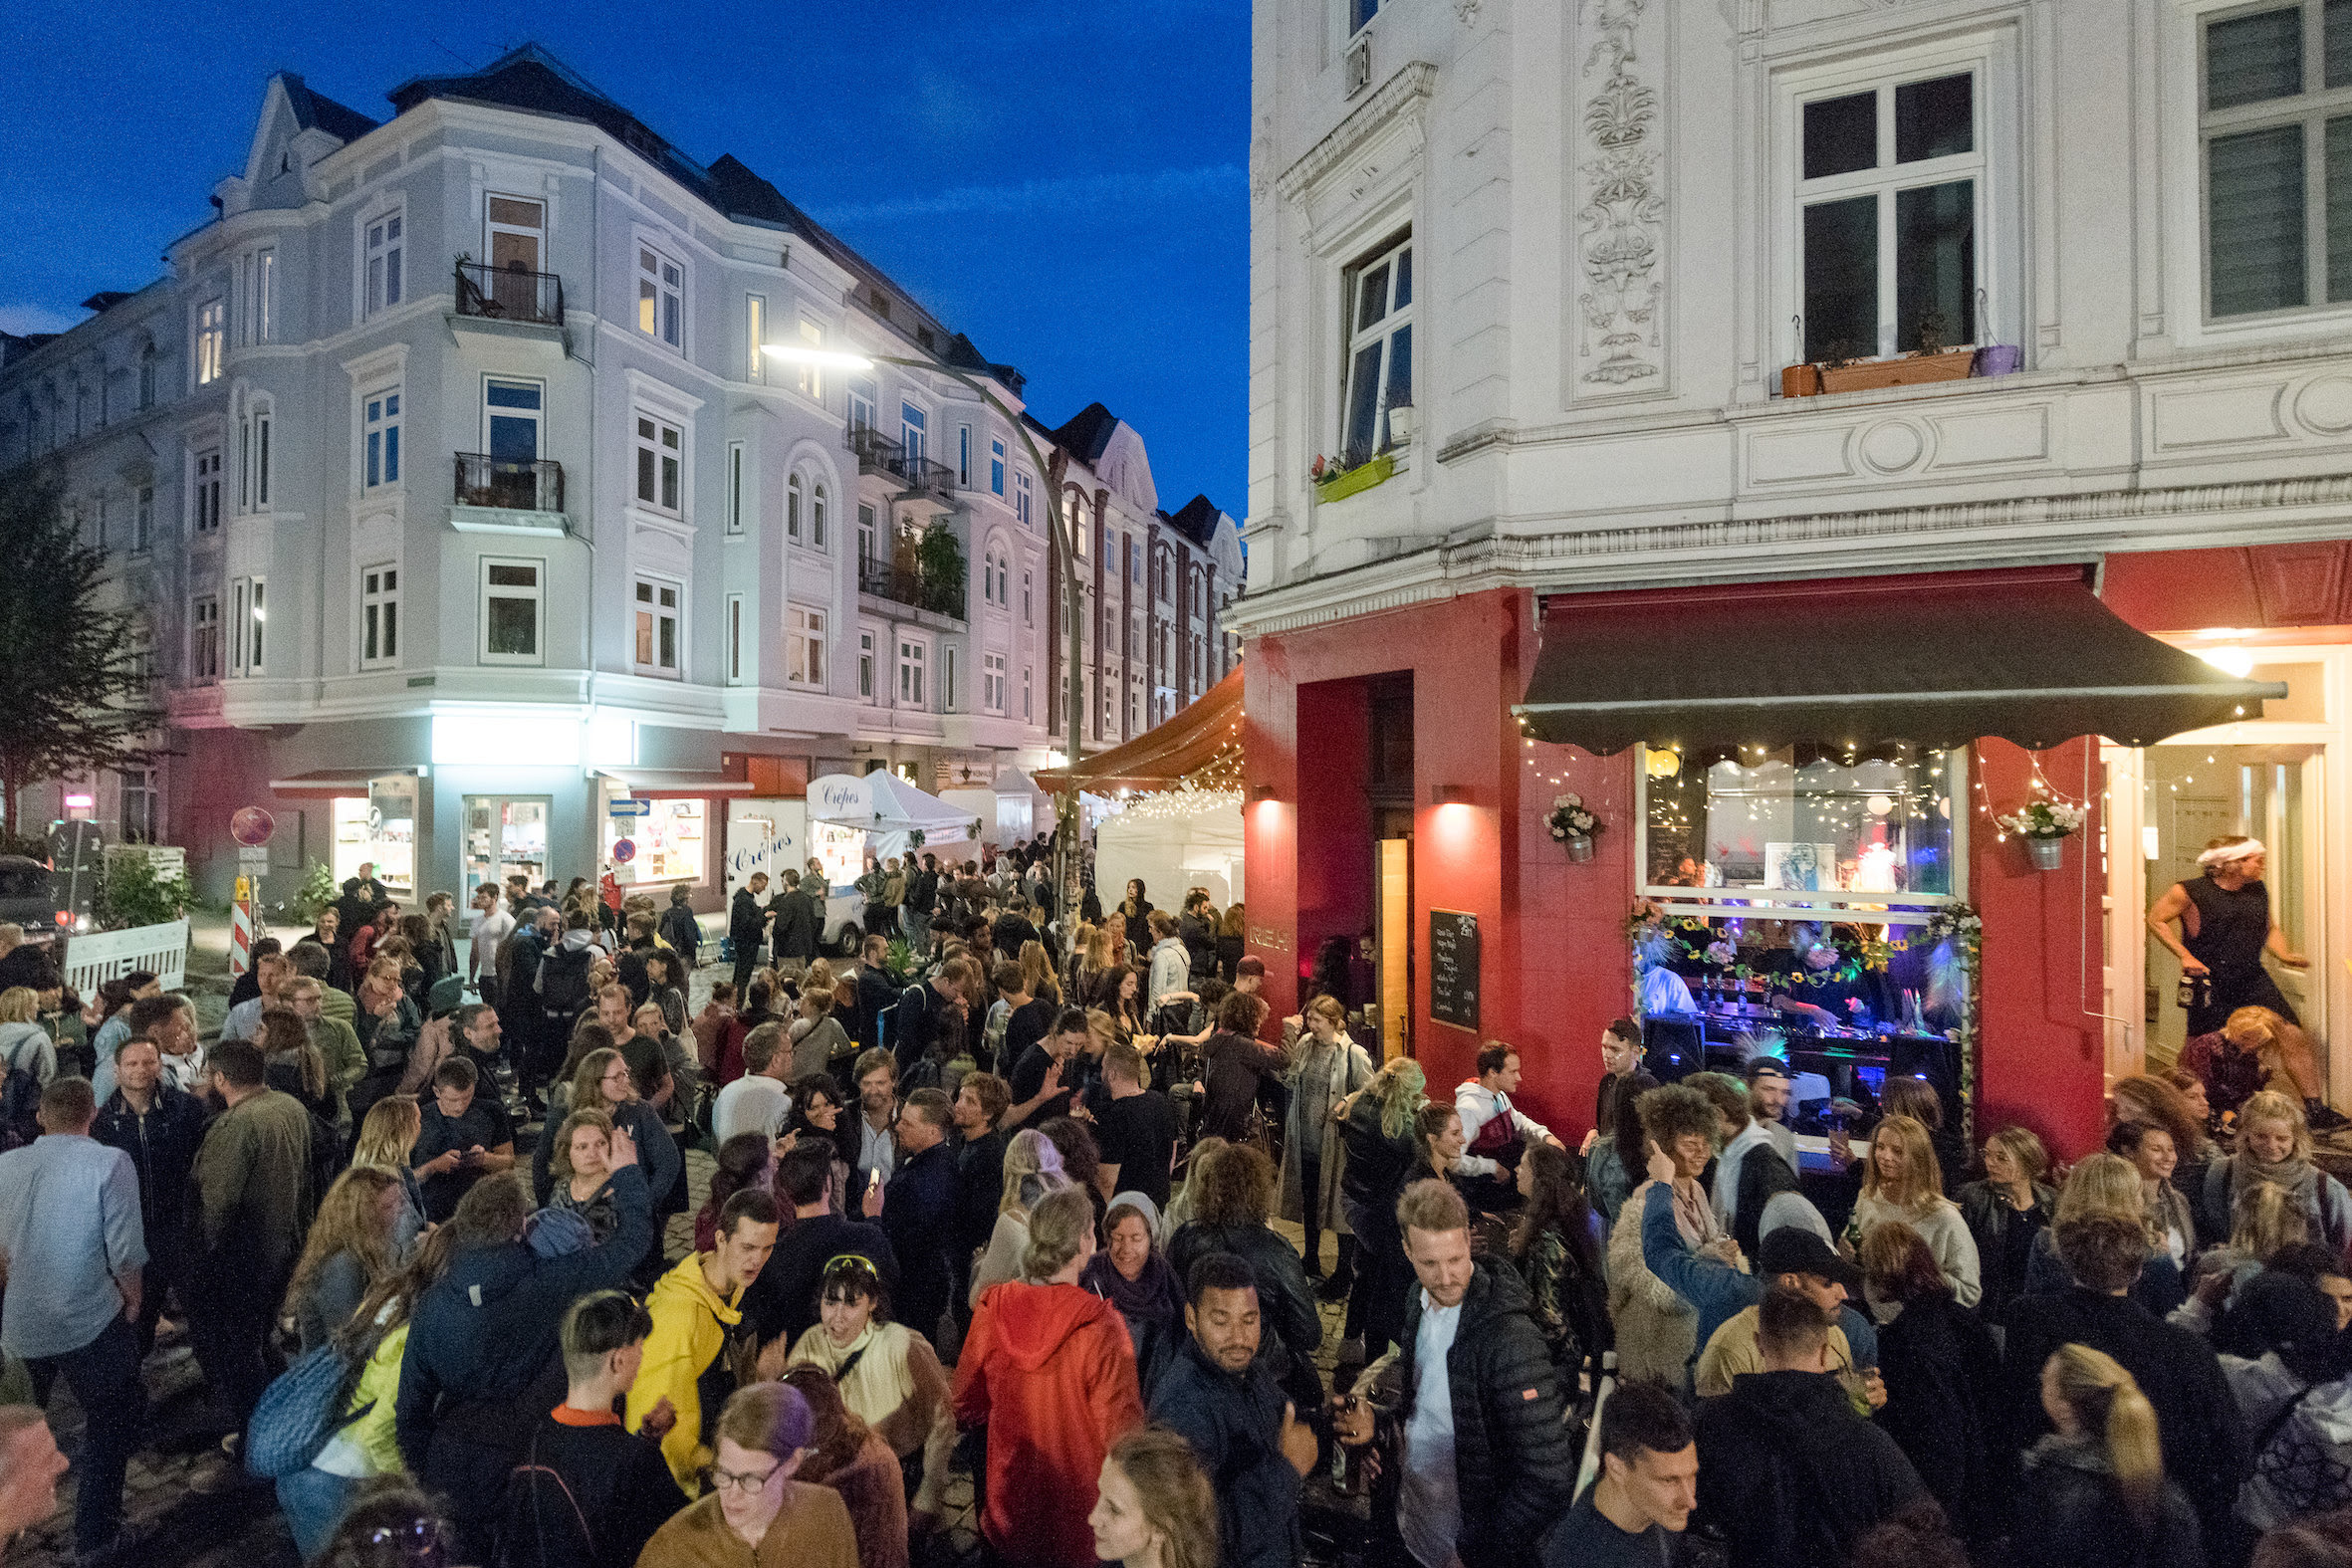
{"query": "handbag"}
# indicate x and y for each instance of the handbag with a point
(301, 1409)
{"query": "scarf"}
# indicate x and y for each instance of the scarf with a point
(1150, 1297)
(2297, 1174)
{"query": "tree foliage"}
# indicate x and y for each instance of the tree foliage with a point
(76, 700)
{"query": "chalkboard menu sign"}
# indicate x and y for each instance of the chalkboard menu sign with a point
(1453, 967)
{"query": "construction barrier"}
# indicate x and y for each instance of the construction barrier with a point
(100, 956)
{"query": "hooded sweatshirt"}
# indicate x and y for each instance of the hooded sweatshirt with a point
(686, 1362)
(1790, 1475)
(1049, 1371)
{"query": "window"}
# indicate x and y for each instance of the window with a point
(1026, 613)
(735, 487)
(142, 805)
(755, 323)
(204, 637)
(1379, 303)
(735, 639)
(812, 379)
(947, 679)
(511, 594)
(212, 340)
(996, 468)
(2277, 129)
(657, 626)
(253, 478)
(866, 532)
(660, 448)
(803, 647)
(382, 464)
(992, 682)
(142, 521)
(513, 410)
(817, 511)
(964, 456)
(1360, 12)
(1890, 189)
(205, 492)
(380, 617)
(263, 307)
(383, 262)
(247, 615)
(1025, 707)
(147, 377)
(910, 673)
(793, 497)
(912, 431)
(1021, 497)
(862, 396)
(660, 297)
(865, 666)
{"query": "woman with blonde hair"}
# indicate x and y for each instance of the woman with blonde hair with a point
(2257, 1048)
(2093, 1494)
(350, 1252)
(2274, 1145)
(1038, 970)
(2106, 1184)
(389, 1132)
(1033, 1169)
(1153, 1506)
(1902, 1181)
(2004, 1212)
(1377, 1130)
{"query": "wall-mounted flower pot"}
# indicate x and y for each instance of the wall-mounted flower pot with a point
(1800, 381)
(1579, 847)
(2000, 359)
(1869, 374)
(1361, 478)
(2048, 853)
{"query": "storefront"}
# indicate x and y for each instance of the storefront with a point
(659, 829)
(1793, 789)
(369, 820)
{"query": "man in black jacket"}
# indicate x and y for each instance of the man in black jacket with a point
(919, 1210)
(1230, 1405)
(589, 1491)
(979, 1148)
(1788, 1472)
(746, 928)
(798, 926)
(2204, 1444)
(782, 1302)
(160, 1128)
(1487, 1490)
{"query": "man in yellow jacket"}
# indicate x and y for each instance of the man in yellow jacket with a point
(688, 1359)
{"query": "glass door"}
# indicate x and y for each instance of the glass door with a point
(505, 837)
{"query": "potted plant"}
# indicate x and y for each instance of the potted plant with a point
(1335, 479)
(2045, 825)
(1573, 824)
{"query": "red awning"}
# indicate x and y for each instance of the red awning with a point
(672, 784)
(1162, 756)
(1938, 659)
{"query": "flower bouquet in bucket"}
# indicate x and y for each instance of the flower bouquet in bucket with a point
(1573, 824)
(2045, 825)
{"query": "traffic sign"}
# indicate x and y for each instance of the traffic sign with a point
(631, 805)
(252, 826)
(624, 851)
(252, 861)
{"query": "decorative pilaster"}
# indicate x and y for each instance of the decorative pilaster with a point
(1619, 154)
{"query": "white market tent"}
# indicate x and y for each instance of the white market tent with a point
(1174, 840)
(889, 811)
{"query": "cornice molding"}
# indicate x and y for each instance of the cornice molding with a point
(1411, 85)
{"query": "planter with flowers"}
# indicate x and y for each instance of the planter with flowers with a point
(2045, 825)
(1335, 480)
(1573, 824)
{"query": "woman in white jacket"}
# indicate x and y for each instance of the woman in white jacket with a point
(1903, 1183)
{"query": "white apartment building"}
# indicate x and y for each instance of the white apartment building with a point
(460, 499)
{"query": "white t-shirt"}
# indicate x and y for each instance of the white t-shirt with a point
(1429, 1511)
(489, 929)
(753, 1103)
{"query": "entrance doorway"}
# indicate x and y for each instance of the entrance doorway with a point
(1392, 954)
(505, 835)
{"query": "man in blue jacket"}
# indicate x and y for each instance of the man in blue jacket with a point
(487, 1333)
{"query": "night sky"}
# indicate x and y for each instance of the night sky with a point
(1063, 180)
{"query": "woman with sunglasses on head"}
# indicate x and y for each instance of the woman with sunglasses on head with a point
(755, 1500)
(889, 1377)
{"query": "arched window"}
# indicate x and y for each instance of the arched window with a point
(817, 511)
(792, 507)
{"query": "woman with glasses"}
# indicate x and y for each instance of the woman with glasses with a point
(753, 1499)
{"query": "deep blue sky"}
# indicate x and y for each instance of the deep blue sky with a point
(1063, 179)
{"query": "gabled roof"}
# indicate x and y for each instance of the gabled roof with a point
(106, 300)
(1197, 519)
(1086, 436)
(317, 111)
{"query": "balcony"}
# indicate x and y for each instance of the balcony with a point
(878, 454)
(503, 485)
(908, 585)
(509, 293)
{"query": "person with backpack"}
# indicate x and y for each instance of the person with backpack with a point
(922, 1027)
(588, 1490)
(681, 927)
(28, 1061)
(561, 985)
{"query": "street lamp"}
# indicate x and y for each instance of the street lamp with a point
(1068, 813)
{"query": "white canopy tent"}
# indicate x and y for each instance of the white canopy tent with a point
(882, 814)
(1174, 840)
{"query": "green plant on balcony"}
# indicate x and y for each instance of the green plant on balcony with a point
(1335, 480)
(940, 561)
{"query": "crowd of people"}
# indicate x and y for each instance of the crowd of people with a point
(1003, 1203)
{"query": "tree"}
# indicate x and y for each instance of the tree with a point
(940, 559)
(73, 696)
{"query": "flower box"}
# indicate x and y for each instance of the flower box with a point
(1864, 375)
(1361, 477)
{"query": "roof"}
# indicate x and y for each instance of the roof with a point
(318, 112)
(105, 298)
(1161, 757)
(530, 79)
(1197, 519)
(1086, 436)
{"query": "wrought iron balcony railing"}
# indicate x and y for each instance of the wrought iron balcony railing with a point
(509, 293)
(486, 481)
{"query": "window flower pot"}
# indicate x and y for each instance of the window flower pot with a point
(1800, 381)
(2000, 359)
(1359, 478)
(2048, 854)
(1911, 371)
(1579, 847)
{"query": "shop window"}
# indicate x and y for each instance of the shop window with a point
(1891, 192)
(511, 597)
(381, 417)
(380, 617)
(803, 647)
(656, 626)
(2277, 135)
(1379, 370)
(669, 843)
(661, 297)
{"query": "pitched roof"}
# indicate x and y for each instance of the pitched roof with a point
(1086, 436)
(106, 300)
(318, 112)
(1197, 519)
(530, 79)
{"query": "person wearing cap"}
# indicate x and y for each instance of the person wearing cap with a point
(1722, 1292)
(1799, 1261)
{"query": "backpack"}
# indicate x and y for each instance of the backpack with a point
(301, 1409)
(542, 1512)
(20, 1100)
(563, 980)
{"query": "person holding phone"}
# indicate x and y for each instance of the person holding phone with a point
(466, 1137)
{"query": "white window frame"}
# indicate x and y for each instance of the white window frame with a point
(754, 311)
(812, 378)
(796, 497)
(1995, 166)
(534, 594)
(248, 620)
(870, 531)
(738, 502)
(204, 490)
(808, 631)
(382, 242)
(661, 295)
(537, 416)
(253, 468)
(1355, 339)
(2311, 109)
(734, 613)
(995, 467)
(992, 682)
(1027, 701)
(912, 662)
(820, 505)
(263, 309)
(645, 602)
(379, 616)
(865, 402)
(380, 438)
(947, 678)
(646, 449)
(914, 429)
(868, 641)
(210, 356)
(1028, 601)
(1024, 494)
(204, 661)
(963, 457)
